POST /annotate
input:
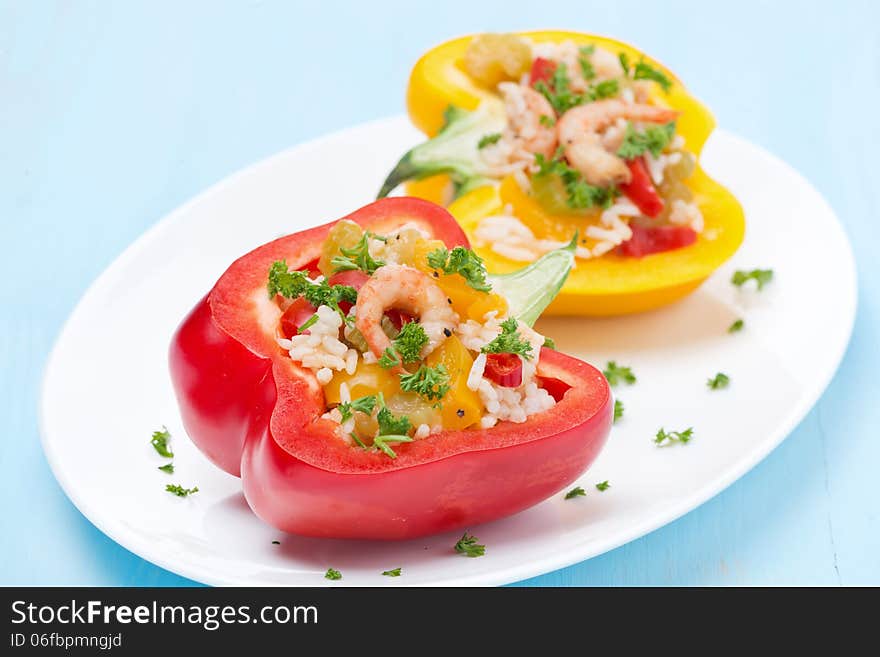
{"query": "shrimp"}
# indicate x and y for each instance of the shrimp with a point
(525, 107)
(403, 288)
(579, 131)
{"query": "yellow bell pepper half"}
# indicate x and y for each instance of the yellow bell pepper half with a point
(610, 284)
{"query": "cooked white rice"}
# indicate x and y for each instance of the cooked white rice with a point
(321, 350)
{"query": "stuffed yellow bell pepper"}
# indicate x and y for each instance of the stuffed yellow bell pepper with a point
(538, 137)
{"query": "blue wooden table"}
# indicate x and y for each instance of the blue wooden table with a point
(114, 113)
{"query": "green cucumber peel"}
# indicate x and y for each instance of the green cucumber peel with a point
(453, 151)
(531, 289)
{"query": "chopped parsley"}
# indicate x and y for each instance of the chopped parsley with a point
(357, 257)
(547, 121)
(332, 573)
(159, 441)
(395, 572)
(363, 404)
(550, 343)
(587, 70)
(579, 193)
(618, 373)
(390, 424)
(577, 491)
(468, 546)
(180, 491)
(429, 382)
(760, 276)
(602, 486)
(674, 436)
(720, 380)
(311, 321)
(168, 467)
(509, 341)
(488, 140)
(624, 62)
(463, 262)
(406, 347)
(382, 442)
(736, 327)
(654, 139)
(643, 71)
(604, 89)
(618, 410)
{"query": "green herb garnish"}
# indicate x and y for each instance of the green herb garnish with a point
(674, 436)
(463, 262)
(547, 121)
(488, 140)
(168, 467)
(406, 347)
(624, 62)
(654, 139)
(736, 327)
(468, 546)
(760, 276)
(509, 341)
(293, 284)
(616, 373)
(180, 491)
(429, 382)
(357, 257)
(604, 89)
(159, 441)
(602, 486)
(332, 573)
(579, 194)
(587, 70)
(618, 410)
(550, 343)
(643, 71)
(558, 91)
(392, 573)
(719, 381)
(577, 491)
(363, 404)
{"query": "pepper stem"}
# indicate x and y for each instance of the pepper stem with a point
(531, 289)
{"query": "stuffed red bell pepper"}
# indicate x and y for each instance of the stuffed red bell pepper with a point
(368, 379)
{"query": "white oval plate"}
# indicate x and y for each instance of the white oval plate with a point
(107, 387)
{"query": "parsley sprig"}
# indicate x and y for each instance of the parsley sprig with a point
(644, 71)
(760, 276)
(719, 381)
(394, 572)
(358, 256)
(509, 341)
(363, 404)
(577, 491)
(674, 436)
(580, 194)
(602, 486)
(618, 373)
(406, 347)
(429, 382)
(468, 546)
(463, 262)
(488, 140)
(160, 440)
(618, 410)
(654, 139)
(736, 327)
(333, 574)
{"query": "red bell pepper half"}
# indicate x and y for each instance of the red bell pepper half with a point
(256, 413)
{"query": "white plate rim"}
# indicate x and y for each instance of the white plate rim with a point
(561, 559)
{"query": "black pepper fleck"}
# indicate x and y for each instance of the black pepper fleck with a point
(436, 275)
(449, 301)
(447, 332)
(460, 412)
